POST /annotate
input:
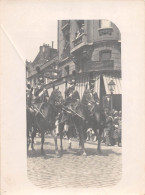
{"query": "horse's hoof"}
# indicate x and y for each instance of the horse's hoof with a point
(84, 154)
(42, 152)
(57, 154)
(69, 149)
(79, 152)
(99, 152)
(61, 149)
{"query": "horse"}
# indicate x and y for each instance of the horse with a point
(29, 125)
(95, 117)
(75, 120)
(88, 115)
(44, 120)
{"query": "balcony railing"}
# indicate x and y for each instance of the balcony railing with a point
(99, 65)
(66, 53)
(105, 31)
(65, 24)
(79, 39)
(105, 64)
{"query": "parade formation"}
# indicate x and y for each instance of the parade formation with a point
(74, 107)
(72, 116)
(74, 92)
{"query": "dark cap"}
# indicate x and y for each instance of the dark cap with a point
(28, 86)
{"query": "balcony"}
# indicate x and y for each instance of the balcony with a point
(105, 64)
(79, 39)
(65, 54)
(105, 31)
(99, 65)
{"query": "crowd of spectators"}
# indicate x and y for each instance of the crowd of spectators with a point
(112, 129)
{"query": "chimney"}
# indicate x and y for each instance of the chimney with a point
(41, 48)
(52, 44)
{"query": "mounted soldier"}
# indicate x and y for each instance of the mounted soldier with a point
(29, 91)
(41, 95)
(72, 101)
(71, 114)
(92, 91)
(29, 99)
(90, 100)
(92, 111)
(29, 112)
(72, 96)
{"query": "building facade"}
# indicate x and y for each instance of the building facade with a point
(91, 49)
(86, 49)
(46, 59)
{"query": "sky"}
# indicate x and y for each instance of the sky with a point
(28, 26)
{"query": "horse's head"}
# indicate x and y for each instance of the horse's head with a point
(56, 97)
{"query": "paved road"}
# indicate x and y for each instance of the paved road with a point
(73, 170)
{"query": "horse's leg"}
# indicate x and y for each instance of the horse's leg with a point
(42, 141)
(55, 141)
(61, 136)
(82, 138)
(69, 139)
(28, 139)
(32, 136)
(99, 140)
(70, 143)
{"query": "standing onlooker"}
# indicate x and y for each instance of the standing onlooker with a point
(119, 128)
(115, 126)
(108, 130)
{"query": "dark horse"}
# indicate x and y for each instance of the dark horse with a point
(76, 122)
(30, 119)
(95, 117)
(88, 115)
(45, 119)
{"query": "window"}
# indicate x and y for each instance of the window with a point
(105, 55)
(66, 49)
(105, 27)
(104, 24)
(80, 24)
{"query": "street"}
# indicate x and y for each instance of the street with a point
(71, 169)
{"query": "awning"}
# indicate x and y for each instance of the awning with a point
(117, 86)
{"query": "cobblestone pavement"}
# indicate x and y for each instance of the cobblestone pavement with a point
(73, 170)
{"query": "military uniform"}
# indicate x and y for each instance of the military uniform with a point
(41, 95)
(29, 99)
(91, 98)
(71, 103)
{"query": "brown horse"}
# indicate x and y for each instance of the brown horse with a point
(30, 120)
(76, 122)
(45, 119)
(88, 115)
(95, 118)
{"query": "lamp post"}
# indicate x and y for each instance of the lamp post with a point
(111, 85)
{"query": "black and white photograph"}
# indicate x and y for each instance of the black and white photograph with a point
(72, 97)
(74, 108)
